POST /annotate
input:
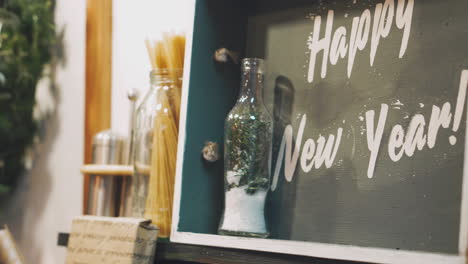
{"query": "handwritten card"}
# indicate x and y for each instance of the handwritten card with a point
(111, 240)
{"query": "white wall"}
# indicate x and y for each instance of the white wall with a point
(50, 195)
(133, 22)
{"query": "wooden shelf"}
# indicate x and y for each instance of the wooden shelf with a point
(167, 252)
(120, 170)
(203, 254)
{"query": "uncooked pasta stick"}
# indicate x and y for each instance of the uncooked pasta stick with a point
(166, 54)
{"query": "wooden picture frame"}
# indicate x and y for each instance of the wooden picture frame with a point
(312, 249)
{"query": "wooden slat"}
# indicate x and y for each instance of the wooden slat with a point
(98, 75)
(120, 170)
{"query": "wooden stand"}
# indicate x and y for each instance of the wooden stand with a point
(122, 171)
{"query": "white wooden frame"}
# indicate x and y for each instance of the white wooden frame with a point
(313, 249)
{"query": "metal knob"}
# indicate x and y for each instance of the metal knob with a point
(210, 151)
(223, 55)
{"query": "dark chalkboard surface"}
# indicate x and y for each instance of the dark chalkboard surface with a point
(412, 203)
(372, 129)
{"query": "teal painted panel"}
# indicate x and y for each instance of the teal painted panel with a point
(213, 90)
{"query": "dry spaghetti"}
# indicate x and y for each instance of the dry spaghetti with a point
(167, 56)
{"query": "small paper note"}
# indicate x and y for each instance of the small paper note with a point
(104, 240)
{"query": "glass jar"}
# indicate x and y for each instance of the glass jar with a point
(155, 149)
(247, 157)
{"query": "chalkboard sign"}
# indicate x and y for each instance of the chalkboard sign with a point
(368, 99)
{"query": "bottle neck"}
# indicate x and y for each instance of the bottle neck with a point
(161, 77)
(251, 87)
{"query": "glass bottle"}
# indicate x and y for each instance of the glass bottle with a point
(155, 149)
(247, 157)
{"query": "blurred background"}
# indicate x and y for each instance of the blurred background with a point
(50, 193)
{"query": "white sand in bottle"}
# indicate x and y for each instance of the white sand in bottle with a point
(244, 212)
